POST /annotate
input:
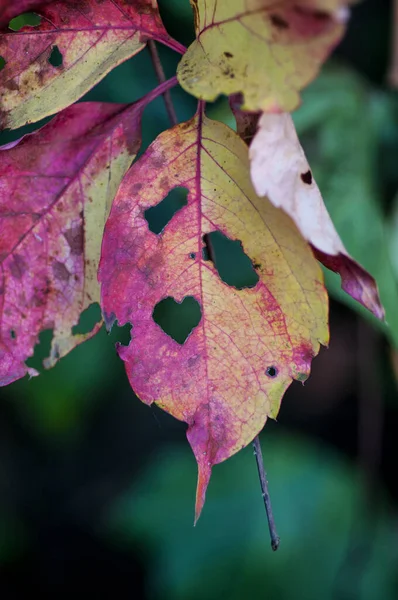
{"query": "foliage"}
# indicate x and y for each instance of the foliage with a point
(324, 503)
(227, 376)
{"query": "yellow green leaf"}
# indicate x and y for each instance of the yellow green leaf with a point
(49, 67)
(232, 370)
(266, 50)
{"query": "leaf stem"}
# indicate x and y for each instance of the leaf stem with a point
(264, 489)
(157, 65)
(171, 43)
(159, 90)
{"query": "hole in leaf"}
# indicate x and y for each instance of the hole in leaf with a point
(158, 216)
(42, 350)
(205, 253)
(2, 63)
(234, 266)
(306, 177)
(13, 335)
(88, 319)
(192, 255)
(55, 59)
(177, 319)
(271, 371)
(29, 18)
(121, 335)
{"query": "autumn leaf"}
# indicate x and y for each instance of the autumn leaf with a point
(89, 38)
(233, 369)
(56, 187)
(12, 8)
(280, 171)
(266, 50)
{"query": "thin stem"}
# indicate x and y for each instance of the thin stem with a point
(153, 51)
(159, 90)
(171, 43)
(264, 489)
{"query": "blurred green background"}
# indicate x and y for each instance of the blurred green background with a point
(97, 490)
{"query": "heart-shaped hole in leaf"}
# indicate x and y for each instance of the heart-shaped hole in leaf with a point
(55, 59)
(158, 216)
(177, 319)
(29, 18)
(233, 265)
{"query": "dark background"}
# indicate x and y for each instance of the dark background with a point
(97, 490)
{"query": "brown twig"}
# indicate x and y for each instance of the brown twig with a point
(157, 65)
(264, 490)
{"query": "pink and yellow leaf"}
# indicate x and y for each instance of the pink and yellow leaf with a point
(219, 381)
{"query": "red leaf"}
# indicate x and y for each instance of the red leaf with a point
(12, 8)
(56, 187)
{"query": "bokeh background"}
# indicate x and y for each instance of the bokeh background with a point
(97, 490)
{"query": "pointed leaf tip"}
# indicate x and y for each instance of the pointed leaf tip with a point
(204, 473)
(355, 281)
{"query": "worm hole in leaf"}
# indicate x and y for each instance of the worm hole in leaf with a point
(88, 319)
(177, 319)
(160, 215)
(29, 18)
(306, 177)
(55, 59)
(233, 265)
(2, 63)
(271, 371)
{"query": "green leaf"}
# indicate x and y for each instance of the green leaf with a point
(315, 498)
